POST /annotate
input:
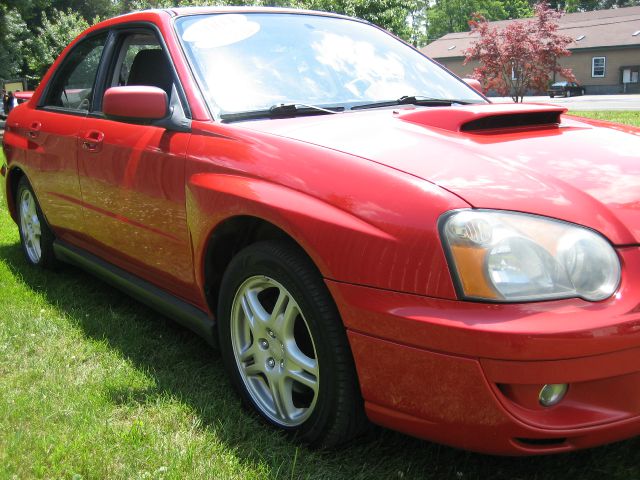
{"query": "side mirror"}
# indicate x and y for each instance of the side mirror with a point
(473, 83)
(136, 102)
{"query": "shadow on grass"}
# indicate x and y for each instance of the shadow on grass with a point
(184, 367)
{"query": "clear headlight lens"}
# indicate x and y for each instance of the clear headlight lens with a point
(515, 257)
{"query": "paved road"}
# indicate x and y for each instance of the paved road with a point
(586, 102)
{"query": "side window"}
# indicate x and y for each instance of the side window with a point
(141, 61)
(73, 83)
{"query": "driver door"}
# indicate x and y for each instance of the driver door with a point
(132, 178)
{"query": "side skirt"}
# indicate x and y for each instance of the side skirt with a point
(184, 313)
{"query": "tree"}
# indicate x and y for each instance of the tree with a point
(447, 16)
(13, 47)
(521, 55)
(389, 14)
(88, 10)
(52, 37)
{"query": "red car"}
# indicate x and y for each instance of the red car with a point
(364, 235)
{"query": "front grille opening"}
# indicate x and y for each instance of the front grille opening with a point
(541, 442)
(513, 120)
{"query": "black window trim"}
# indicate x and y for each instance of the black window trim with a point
(114, 34)
(120, 32)
(45, 94)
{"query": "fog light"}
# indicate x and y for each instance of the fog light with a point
(552, 393)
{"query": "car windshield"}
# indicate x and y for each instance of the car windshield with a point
(255, 61)
(560, 84)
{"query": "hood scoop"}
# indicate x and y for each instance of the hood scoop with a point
(485, 118)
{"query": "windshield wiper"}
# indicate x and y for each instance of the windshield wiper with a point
(413, 100)
(282, 110)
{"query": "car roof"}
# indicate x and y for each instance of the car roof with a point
(186, 11)
(179, 11)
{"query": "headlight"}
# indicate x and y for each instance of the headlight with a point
(515, 257)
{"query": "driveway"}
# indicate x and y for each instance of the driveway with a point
(586, 102)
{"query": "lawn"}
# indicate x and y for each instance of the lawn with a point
(94, 385)
(629, 117)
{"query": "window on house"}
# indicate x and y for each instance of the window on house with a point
(630, 74)
(598, 65)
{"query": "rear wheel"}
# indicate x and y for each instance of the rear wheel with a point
(35, 236)
(285, 347)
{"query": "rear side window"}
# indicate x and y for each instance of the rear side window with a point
(73, 84)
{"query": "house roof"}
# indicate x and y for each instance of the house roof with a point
(601, 28)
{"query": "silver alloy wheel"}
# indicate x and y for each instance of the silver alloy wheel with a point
(30, 226)
(274, 351)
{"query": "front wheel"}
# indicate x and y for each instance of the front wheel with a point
(35, 236)
(285, 347)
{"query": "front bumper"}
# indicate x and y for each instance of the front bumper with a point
(468, 374)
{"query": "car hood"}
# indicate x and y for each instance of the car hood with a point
(576, 171)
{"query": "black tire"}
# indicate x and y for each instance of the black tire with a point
(37, 249)
(551, 96)
(334, 413)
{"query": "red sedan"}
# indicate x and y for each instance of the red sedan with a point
(363, 234)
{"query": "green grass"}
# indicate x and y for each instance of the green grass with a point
(95, 386)
(628, 117)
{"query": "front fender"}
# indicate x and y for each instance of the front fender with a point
(344, 246)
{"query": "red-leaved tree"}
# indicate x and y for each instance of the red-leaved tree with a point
(521, 55)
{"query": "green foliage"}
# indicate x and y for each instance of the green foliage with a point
(15, 38)
(89, 10)
(389, 14)
(30, 10)
(447, 16)
(626, 117)
(53, 36)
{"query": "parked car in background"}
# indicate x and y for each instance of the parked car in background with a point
(362, 234)
(565, 89)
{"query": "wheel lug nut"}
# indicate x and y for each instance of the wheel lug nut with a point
(271, 334)
(264, 344)
(271, 363)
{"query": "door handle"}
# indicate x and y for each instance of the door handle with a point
(92, 140)
(34, 129)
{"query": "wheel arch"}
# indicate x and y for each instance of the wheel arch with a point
(228, 238)
(13, 178)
